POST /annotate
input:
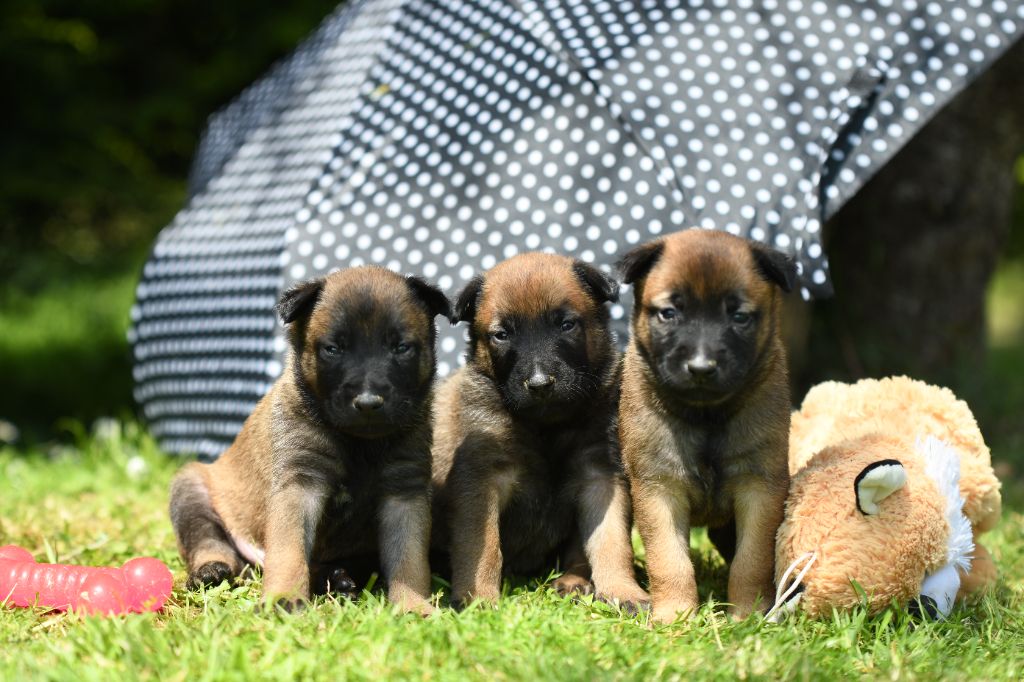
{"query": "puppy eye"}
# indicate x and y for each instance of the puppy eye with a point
(500, 335)
(666, 314)
(740, 318)
(331, 350)
(568, 325)
(402, 348)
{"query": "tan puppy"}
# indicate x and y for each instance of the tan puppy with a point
(526, 464)
(704, 416)
(334, 462)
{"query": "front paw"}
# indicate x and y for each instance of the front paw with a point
(416, 605)
(630, 598)
(488, 597)
(670, 611)
(570, 584)
(739, 612)
(338, 582)
(282, 604)
(209, 574)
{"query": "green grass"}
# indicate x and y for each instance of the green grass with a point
(104, 501)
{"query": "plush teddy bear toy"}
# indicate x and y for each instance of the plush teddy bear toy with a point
(891, 486)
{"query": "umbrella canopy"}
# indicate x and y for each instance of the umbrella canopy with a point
(439, 137)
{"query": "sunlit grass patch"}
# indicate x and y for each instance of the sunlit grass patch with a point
(104, 499)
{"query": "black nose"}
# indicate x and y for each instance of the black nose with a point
(702, 368)
(368, 402)
(540, 382)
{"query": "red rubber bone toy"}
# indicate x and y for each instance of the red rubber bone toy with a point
(141, 585)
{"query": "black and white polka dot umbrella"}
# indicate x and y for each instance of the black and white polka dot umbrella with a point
(439, 137)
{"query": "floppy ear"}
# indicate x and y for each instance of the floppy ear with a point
(637, 263)
(465, 304)
(604, 288)
(298, 301)
(775, 266)
(876, 482)
(432, 297)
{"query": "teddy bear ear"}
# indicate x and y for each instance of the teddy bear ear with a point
(876, 482)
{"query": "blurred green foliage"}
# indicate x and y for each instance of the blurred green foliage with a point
(104, 102)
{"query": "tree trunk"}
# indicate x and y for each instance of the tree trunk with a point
(913, 252)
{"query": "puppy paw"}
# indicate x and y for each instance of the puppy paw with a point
(669, 612)
(209, 574)
(574, 585)
(339, 583)
(460, 602)
(284, 604)
(742, 611)
(631, 599)
(418, 607)
(634, 607)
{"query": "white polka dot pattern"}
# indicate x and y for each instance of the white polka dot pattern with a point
(586, 127)
(203, 328)
(471, 130)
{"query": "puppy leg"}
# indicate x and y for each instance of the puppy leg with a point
(294, 515)
(604, 514)
(404, 544)
(204, 544)
(759, 510)
(575, 578)
(476, 545)
(331, 578)
(663, 520)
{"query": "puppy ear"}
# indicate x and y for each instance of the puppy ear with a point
(637, 263)
(432, 297)
(775, 266)
(298, 301)
(604, 288)
(465, 304)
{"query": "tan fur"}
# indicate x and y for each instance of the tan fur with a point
(266, 490)
(833, 411)
(606, 522)
(529, 284)
(888, 554)
(663, 518)
(661, 449)
(386, 287)
(474, 543)
(759, 511)
(576, 574)
(839, 429)
(482, 454)
(707, 262)
(405, 541)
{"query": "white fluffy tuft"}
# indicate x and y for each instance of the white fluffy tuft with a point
(942, 465)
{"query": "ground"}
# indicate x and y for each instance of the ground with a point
(104, 500)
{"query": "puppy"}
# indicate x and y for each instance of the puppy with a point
(704, 414)
(525, 466)
(335, 460)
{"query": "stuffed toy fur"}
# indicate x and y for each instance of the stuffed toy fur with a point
(891, 485)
